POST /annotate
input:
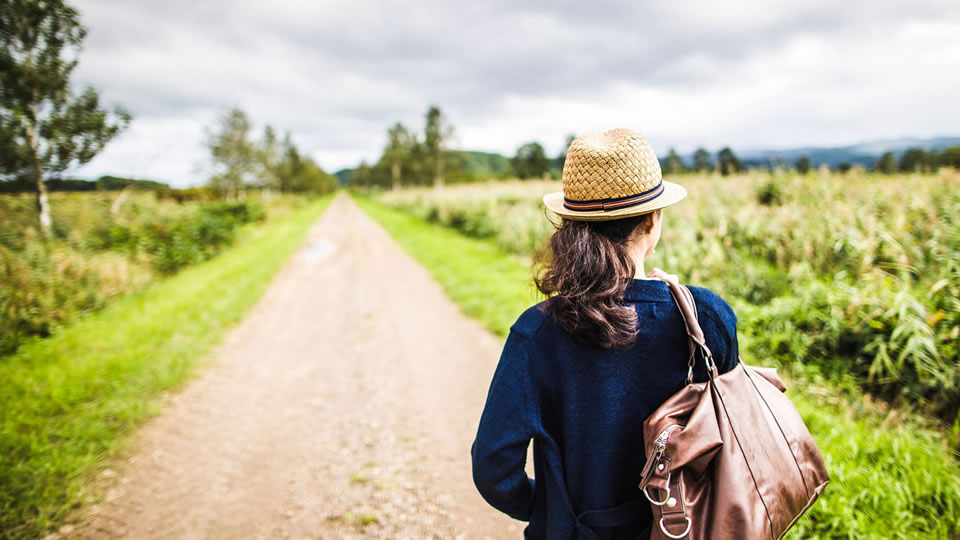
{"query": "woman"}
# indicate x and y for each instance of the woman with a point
(581, 371)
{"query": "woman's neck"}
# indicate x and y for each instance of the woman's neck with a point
(636, 253)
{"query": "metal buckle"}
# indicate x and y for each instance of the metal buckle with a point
(681, 535)
(665, 497)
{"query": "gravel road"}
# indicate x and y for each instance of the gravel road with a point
(344, 406)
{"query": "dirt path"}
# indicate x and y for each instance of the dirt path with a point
(343, 406)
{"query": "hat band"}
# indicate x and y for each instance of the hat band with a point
(616, 202)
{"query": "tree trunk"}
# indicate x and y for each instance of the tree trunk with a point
(118, 202)
(43, 202)
(395, 173)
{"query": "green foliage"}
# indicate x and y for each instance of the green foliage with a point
(803, 164)
(770, 193)
(892, 474)
(279, 165)
(70, 401)
(232, 153)
(887, 164)
(701, 160)
(914, 160)
(483, 165)
(44, 127)
(531, 161)
(437, 134)
(857, 277)
(674, 163)
(727, 162)
(97, 256)
(487, 282)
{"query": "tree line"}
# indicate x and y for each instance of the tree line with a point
(238, 162)
(46, 128)
(918, 160)
(412, 158)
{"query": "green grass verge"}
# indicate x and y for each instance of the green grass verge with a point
(487, 283)
(69, 401)
(892, 476)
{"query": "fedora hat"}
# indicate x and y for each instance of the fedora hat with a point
(611, 175)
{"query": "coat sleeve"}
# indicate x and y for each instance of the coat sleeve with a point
(719, 324)
(499, 451)
(724, 332)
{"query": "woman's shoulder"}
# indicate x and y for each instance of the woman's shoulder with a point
(531, 320)
(706, 298)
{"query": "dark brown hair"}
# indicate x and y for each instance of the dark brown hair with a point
(585, 270)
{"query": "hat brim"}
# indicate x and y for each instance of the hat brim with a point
(672, 193)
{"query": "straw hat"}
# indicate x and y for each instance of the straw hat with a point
(611, 175)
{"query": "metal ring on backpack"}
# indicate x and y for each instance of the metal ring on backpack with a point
(681, 535)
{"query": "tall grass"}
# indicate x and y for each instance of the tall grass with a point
(892, 473)
(101, 250)
(856, 274)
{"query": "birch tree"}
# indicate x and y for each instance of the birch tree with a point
(44, 127)
(437, 135)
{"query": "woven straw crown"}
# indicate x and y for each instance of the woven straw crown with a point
(611, 175)
(618, 163)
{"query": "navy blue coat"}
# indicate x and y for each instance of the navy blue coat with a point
(583, 407)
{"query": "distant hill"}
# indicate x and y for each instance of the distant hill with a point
(864, 153)
(343, 176)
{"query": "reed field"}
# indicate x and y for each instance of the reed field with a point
(854, 277)
(847, 284)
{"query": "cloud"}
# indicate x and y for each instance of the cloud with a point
(336, 74)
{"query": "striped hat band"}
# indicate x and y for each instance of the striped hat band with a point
(615, 203)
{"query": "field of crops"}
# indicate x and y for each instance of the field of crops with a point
(854, 277)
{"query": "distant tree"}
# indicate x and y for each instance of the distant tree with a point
(361, 176)
(397, 152)
(290, 166)
(844, 167)
(674, 163)
(437, 135)
(269, 160)
(949, 157)
(232, 153)
(530, 161)
(803, 164)
(44, 127)
(887, 164)
(913, 160)
(728, 162)
(701, 160)
(312, 178)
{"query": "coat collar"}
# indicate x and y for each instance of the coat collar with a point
(647, 290)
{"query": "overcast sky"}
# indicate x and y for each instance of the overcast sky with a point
(685, 74)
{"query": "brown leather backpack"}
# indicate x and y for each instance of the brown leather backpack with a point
(729, 457)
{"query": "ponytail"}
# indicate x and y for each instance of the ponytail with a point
(585, 269)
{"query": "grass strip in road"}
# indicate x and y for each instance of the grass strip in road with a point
(68, 401)
(892, 474)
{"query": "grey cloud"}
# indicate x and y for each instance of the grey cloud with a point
(337, 73)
